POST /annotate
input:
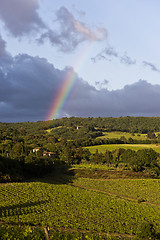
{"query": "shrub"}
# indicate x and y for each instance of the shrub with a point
(146, 231)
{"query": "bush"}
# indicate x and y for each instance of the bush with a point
(146, 231)
(140, 200)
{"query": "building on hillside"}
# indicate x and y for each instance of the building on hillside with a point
(49, 154)
(79, 127)
(37, 149)
(44, 153)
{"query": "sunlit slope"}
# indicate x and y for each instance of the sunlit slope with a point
(68, 206)
(111, 147)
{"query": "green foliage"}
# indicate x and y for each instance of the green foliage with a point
(67, 206)
(146, 231)
(112, 147)
(63, 206)
(145, 160)
(151, 135)
(56, 235)
(8, 232)
(10, 170)
(64, 139)
(37, 166)
(140, 190)
(74, 133)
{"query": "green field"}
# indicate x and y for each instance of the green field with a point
(91, 166)
(85, 205)
(111, 147)
(136, 189)
(118, 135)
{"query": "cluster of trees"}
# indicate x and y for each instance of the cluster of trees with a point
(84, 142)
(144, 160)
(17, 170)
(73, 133)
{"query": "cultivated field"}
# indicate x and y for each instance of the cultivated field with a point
(146, 190)
(113, 209)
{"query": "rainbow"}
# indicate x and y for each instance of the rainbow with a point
(67, 84)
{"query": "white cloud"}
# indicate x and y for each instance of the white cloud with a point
(151, 65)
(109, 53)
(71, 32)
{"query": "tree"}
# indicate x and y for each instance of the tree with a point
(151, 135)
(17, 149)
(108, 157)
(97, 157)
(145, 159)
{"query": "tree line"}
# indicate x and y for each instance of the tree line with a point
(66, 138)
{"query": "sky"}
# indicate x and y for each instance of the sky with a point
(64, 58)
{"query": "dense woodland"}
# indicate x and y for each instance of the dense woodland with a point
(61, 143)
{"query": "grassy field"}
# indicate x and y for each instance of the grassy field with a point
(118, 135)
(111, 147)
(113, 208)
(92, 166)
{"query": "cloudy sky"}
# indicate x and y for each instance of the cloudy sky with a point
(110, 46)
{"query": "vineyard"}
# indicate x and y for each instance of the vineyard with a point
(147, 190)
(78, 206)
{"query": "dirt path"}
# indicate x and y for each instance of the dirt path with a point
(46, 233)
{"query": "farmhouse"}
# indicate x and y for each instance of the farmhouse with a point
(79, 127)
(49, 154)
(37, 149)
(44, 153)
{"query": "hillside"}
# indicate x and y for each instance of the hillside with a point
(76, 179)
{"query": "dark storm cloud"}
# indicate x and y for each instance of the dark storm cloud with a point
(5, 57)
(138, 99)
(20, 16)
(151, 65)
(71, 32)
(29, 85)
(2, 48)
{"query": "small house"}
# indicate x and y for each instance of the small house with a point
(37, 149)
(49, 154)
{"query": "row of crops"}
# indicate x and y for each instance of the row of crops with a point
(12, 232)
(146, 189)
(67, 206)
